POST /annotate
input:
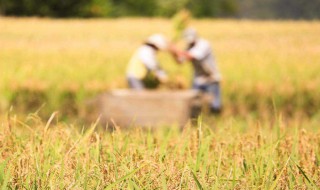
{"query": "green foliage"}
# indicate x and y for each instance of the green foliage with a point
(115, 8)
(151, 81)
(308, 9)
(213, 8)
(97, 8)
(169, 7)
(180, 22)
(288, 9)
(50, 8)
(131, 8)
(297, 9)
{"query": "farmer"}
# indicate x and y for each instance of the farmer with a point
(144, 62)
(206, 74)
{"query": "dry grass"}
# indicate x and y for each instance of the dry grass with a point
(58, 156)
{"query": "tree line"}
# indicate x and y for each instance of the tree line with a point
(295, 9)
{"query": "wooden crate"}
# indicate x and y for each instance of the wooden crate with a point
(127, 108)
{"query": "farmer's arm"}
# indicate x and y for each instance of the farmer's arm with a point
(197, 52)
(179, 55)
(153, 66)
(185, 56)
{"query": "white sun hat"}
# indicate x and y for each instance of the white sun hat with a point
(158, 40)
(190, 35)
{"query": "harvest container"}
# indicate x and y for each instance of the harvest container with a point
(149, 108)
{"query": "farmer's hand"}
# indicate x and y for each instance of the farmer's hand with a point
(176, 53)
(173, 49)
(163, 79)
(162, 76)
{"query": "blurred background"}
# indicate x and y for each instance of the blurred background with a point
(257, 9)
(270, 62)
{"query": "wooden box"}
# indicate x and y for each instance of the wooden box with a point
(148, 108)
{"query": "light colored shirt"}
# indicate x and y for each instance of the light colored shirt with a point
(143, 60)
(204, 64)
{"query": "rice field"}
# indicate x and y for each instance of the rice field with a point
(263, 62)
(228, 155)
(267, 138)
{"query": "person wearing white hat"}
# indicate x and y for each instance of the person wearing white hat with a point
(144, 61)
(206, 74)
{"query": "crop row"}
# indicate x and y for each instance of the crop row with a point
(259, 99)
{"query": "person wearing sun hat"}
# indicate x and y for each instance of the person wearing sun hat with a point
(206, 77)
(144, 61)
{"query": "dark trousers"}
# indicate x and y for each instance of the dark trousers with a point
(214, 89)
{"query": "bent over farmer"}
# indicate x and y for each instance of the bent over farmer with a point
(144, 61)
(206, 76)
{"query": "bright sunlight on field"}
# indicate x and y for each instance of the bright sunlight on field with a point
(262, 62)
(266, 138)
